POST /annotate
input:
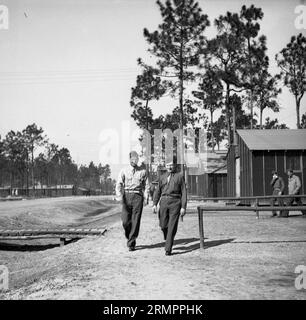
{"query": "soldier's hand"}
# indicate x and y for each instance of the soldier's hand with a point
(119, 199)
(154, 209)
(182, 212)
(145, 201)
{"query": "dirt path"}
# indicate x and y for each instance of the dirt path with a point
(244, 258)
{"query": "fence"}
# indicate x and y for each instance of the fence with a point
(255, 207)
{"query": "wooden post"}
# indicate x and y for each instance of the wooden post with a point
(201, 228)
(62, 242)
(256, 205)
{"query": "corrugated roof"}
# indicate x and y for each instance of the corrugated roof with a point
(274, 139)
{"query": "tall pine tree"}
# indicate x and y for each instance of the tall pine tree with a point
(177, 43)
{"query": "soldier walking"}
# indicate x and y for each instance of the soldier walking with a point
(132, 189)
(171, 191)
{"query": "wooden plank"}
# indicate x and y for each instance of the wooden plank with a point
(51, 233)
(251, 208)
(55, 231)
(32, 237)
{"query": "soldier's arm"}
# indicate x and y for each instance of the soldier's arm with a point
(297, 185)
(183, 193)
(120, 185)
(146, 187)
(157, 193)
(282, 188)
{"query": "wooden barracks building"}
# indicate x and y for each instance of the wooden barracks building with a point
(257, 153)
(209, 178)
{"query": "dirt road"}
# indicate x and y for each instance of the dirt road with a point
(244, 258)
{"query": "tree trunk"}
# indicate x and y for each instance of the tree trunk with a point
(228, 120)
(251, 107)
(32, 162)
(251, 80)
(11, 179)
(212, 129)
(181, 74)
(148, 160)
(234, 125)
(260, 119)
(297, 104)
(27, 192)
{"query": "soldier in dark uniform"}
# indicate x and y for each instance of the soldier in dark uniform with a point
(278, 186)
(171, 191)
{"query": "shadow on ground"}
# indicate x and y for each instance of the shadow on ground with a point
(31, 248)
(185, 248)
(97, 212)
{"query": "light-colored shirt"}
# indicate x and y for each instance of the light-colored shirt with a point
(132, 179)
(294, 184)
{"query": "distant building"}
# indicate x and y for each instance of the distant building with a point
(257, 153)
(209, 178)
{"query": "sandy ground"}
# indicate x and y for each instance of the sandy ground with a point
(244, 258)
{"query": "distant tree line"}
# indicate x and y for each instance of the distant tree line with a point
(28, 160)
(221, 84)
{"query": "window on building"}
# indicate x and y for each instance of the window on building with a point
(293, 160)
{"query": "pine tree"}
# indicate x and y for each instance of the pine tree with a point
(177, 43)
(292, 62)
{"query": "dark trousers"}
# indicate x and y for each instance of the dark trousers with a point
(169, 214)
(279, 201)
(298, 202)
(132, 205)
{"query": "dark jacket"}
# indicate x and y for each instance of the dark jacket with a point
(175, 188)
(278, 183)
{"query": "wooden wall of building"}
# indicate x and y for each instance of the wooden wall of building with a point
(256, 169)
(264, 162)
(208, 185)
(246, 172)
(217, 185)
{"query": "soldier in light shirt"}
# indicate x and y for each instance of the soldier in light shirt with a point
(132, 189)
(294, 187)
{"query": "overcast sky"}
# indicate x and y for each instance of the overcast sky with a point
(69, 65)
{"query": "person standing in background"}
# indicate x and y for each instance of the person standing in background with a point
(278, 186)
(294, 187)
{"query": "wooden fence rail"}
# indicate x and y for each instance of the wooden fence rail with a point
(256, 208)
(199, 198)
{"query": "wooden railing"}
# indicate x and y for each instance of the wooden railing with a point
(254, 207)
